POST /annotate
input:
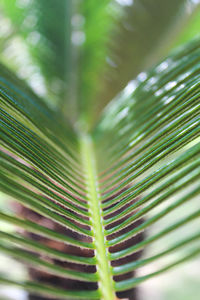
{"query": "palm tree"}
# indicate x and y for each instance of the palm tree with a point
(90, 179)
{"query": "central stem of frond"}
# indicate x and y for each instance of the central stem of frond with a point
(106, 283)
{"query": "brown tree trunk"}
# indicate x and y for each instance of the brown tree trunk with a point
(46, 278)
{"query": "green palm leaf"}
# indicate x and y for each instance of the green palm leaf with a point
(100, 191)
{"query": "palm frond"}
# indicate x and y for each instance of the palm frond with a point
(97, 195)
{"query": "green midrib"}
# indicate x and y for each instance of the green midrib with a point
(106, 283)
